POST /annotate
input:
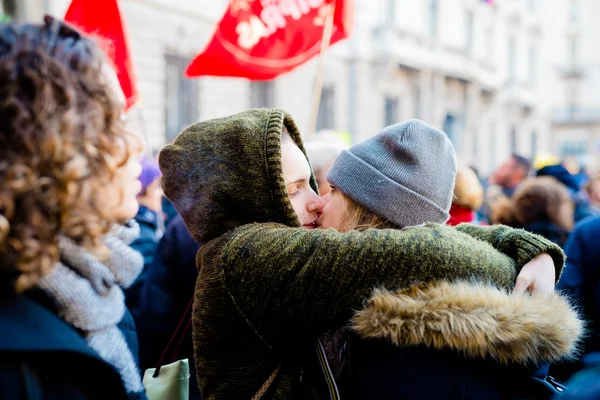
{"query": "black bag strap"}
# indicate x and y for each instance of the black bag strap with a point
(334, 393)
(187, 315)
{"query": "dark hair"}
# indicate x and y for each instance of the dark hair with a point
(523, 163)
(61, 142)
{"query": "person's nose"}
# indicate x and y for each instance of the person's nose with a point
(315, 203)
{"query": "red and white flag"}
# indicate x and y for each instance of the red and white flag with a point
(261, 39)
(103, 19)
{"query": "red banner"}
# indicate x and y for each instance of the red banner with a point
(103, 19)
(261, 39)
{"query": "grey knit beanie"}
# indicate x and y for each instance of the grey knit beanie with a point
(404, 174)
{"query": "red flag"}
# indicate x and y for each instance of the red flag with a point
(103, 19)
(261, 39)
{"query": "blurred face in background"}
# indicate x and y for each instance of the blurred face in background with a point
(321, 176)
(593, 190)
(509, 174)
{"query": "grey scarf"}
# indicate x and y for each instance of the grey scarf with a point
(89, 296)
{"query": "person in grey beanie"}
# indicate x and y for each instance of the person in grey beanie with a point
(404, 176)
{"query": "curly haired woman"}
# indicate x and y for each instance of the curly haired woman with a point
(68, 187)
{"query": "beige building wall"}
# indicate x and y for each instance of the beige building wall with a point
(477, 71)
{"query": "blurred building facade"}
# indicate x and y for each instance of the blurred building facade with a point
(496, 78)
(574, 80)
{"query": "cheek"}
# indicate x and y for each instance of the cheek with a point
(336, 213)
(298, 205)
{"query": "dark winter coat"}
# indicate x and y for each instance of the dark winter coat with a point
(167, 291)
(41, 354)
(581, 278)
(550, 231)
(456, 341)
(266, 290)
(583, 209)
(145, 244)
(584, 385)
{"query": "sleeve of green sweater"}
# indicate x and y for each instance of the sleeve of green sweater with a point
(518, 244)
(289, 282)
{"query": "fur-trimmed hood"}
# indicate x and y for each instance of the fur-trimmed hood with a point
(477, 320)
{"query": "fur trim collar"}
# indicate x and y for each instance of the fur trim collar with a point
(478, 320)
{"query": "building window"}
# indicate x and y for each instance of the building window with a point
(390, 12)
(574, 11)
(573, 148)
(572, 50)
(493, 143)
(469, 31)
(512, 68)
(513, 140)
(475, 149)
(450, 128)
(417, 103)
(489, 41)
(325, 117)
(262, 94)
(182, 97)
(433, 18)
(469, 16)
(532, 64)
(8, 9)
(572, 98)
(391, 111)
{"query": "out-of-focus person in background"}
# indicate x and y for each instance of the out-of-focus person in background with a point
(582, 207)
(510, 174)
(592, 189)
(68, 192)
(581, 282)
(540, 205)
(321, 152)
(167, 289)
(149, 218)
(467, 199)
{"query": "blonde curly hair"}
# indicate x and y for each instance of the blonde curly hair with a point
(468, 191)
(62, 141)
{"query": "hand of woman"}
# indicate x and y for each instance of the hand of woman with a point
(537, 276)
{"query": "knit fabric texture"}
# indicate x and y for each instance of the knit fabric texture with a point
(226, 172)
(88, 294)
(404, 174)
(266, 290)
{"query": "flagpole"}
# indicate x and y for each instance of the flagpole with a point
(316, 101)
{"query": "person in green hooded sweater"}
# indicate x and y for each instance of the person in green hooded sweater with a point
(267, 287)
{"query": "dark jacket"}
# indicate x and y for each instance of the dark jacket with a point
(266, 290)
(581, 277)
(550, 231)
(456, 341)
(584, 385)
(39, 353)
(145, 244)
(583, 209)
(167, 291)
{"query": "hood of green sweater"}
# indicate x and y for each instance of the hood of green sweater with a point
(226, 172)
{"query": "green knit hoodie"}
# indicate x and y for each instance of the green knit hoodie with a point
(267, 287)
